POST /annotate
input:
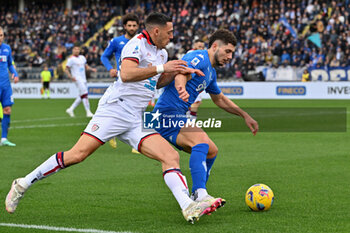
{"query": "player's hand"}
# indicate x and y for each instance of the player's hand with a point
(74, 79)
(183, 94)
(15, 79)
(252, 124)
(191, 71)
(176, 66)
(113, 73)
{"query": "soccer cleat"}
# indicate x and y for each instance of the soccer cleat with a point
(215, 203)
(89, 114)
(134, 151)
(7, 143)
(14, 196)
(70, 112)
(113, 143)
(195, 210)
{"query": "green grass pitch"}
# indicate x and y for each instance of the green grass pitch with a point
(115, 190)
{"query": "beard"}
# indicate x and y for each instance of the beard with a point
(131, 34)
(216, 59)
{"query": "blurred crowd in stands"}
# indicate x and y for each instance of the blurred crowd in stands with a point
(303, 33)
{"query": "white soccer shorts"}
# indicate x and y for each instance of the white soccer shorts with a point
(81, 86)
(116, 120)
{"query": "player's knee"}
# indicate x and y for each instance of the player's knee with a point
(213, 151)
(171, 159)
(202, 138)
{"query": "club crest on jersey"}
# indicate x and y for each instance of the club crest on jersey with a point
(195, 61)
(94, 128)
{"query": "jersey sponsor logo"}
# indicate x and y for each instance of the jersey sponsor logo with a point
(122, 42)
(151, 85)
(291, 90)
(195, 61)
(3, 58)
(6, 50)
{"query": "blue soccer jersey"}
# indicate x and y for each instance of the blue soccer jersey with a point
(115, 46)
(198, 59)
(6, 65)
(172, 107)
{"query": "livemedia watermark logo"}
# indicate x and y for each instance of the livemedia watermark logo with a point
(157, 120)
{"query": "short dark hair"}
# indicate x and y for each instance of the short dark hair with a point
(223, 35)
(76, 44)
(156, 18)
(198, 40)
(130, 17)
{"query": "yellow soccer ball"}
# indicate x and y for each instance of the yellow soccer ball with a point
(259, 197)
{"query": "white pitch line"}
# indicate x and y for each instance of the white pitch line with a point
(51, 228)
(47, 126)
(43, 119)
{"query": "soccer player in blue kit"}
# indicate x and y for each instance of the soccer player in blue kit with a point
(6, 98)
(182, 92)
(115, 46)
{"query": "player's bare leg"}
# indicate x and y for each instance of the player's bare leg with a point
(156, 147)
(85, 146)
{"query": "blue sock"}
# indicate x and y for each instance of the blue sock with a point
(5, 125)
(210, 163)
(198, 166)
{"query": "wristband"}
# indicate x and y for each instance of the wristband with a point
(160, 69)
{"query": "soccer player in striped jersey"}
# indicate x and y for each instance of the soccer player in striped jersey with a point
(6, 98)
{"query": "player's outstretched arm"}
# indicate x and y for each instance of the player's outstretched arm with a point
(167, 78)
(131, 72)
(225, 103)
